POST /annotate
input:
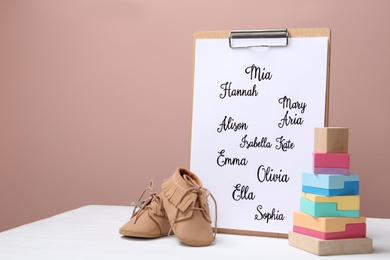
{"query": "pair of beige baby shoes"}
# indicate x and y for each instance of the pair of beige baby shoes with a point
(181, 208)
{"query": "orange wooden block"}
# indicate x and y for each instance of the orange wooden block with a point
(325, 224)
(331, 140)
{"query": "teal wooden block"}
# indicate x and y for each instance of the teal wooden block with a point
(350, 188)
(325, 209)
(327, 181)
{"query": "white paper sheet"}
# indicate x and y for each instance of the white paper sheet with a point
(258, 107)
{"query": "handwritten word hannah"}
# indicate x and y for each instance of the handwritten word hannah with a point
(228, 91)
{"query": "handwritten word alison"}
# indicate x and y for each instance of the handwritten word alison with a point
(230, 124)
(228, 91)
(267, 216)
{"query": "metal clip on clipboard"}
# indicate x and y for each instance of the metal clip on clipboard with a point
(258, 38)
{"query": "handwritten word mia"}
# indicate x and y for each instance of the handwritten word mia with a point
(258, 73)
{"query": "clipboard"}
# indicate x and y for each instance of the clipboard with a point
(203, 157)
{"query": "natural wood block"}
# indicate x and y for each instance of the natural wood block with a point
(330, 247)
(327, 181)
(325, 224)
(351, 231)
(331, 139)
(325, 209)
(331, 160)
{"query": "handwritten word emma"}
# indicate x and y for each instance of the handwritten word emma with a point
(223, 161)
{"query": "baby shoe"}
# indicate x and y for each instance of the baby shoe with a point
(185, 203)
(149, 219)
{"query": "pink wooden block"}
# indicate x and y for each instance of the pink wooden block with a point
(331, 160)
(322, 170)
(351, 231)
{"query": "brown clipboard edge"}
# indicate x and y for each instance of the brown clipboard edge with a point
(294, 33)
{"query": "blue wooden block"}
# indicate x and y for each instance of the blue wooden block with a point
(325, 209)
(350, 188)
(327, 181)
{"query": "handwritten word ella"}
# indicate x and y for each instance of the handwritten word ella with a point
(222, 160)
(258, 73)
(266, 174)
(263, 143)
(227, 91)
(267, 216)
(287, 103)
(242, 193)
(229, 124)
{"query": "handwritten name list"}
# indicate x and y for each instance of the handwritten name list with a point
(293, 115)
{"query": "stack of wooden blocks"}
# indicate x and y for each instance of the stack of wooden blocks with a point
(329, 222)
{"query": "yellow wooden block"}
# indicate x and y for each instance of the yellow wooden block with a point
(325, 224)
(331, 139)
(330, 247)
(343, 202)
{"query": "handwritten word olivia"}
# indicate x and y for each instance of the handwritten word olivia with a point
(266, 174)
(222, 160)
(267, 216)
(258, 73)
(227, 91)
(242, 193)
(229, 124)
(263, 143)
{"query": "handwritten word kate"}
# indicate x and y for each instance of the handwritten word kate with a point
(222, 160)
(258, 73)
(229, 124)
(267, 216)
(284, 144)
(267, 174)
(227, 91)
(242, 193)
(263, 143)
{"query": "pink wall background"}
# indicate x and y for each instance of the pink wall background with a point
(96, 95)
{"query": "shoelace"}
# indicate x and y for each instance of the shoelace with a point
(142, 205)
(197, 189)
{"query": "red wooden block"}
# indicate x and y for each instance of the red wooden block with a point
(351, 231)
(331, 160)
